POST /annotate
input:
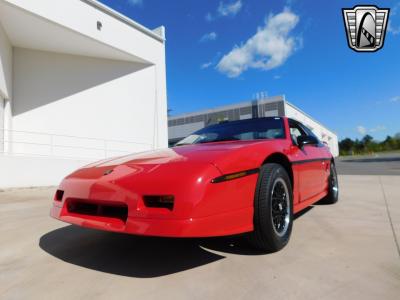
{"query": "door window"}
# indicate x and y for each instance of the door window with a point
(295, 131)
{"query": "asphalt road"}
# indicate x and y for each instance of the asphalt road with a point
(377, 164)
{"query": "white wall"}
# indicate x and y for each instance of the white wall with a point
(82, 18)
(323, 133)
(161, 136)
(35, 171)
(64, 79)
(72, 26)
(86, 97)
(5, 81)
(5, 65)
(1, 124)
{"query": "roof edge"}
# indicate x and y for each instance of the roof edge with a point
(156, 34)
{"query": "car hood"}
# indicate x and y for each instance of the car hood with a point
(226, 157)
(208, 153)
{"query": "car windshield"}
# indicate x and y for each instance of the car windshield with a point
(252, 129)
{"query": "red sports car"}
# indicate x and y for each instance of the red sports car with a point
(247, 176)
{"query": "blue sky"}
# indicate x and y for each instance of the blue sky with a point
(222, 52)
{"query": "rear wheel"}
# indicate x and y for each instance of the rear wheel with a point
(333, 187)
(273, 209)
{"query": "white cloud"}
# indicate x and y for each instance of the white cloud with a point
(269, 48)
(135, 2)
(225, 10)
(277, 77)
(361, 130)
(229, 9)
(212, 36)
(206, 65)
(378, 128)
(395, 99)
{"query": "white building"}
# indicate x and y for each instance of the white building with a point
(182, 125)
(78, 82)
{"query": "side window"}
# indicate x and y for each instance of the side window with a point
(310, 133)
(295, 131)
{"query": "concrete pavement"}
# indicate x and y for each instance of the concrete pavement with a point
(341, 251)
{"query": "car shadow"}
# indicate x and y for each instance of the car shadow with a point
(141, 257)
(124, 254)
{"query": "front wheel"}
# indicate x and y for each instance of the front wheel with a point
(273, 209)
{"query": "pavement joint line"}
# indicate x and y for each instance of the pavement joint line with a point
(389, 217)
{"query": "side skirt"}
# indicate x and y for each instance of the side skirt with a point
(302, 205)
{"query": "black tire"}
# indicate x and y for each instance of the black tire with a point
(333, 187)
(268, 235)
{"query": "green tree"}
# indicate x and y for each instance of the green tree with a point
(389, 143)
(367, 140)
(358, 147)
(368, 145)
(346, 146)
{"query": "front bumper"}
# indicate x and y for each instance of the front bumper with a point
(229, 223)
(201, 208)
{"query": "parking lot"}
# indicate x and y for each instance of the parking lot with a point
(343, 251)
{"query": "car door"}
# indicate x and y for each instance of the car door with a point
(309, 162)
(323, 156)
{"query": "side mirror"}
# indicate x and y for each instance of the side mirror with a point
(306, 140)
